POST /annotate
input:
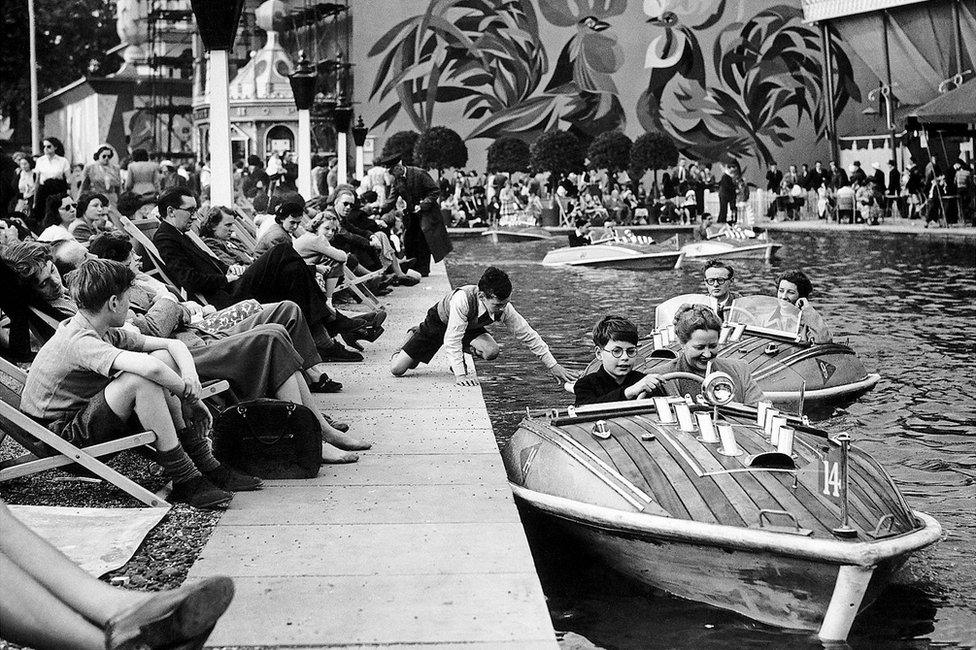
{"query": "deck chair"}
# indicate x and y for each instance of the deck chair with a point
(195, 238)
(39, 442)
(244, 229)
(156, 260)
(356, 285)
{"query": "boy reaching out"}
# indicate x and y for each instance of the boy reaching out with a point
(458, 322)
(615, 380)
(92, 382)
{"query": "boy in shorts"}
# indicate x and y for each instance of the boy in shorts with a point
(93, 382)
(458, 322)
(615, 380)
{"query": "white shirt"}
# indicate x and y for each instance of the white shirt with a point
(457, 325)
(47, 167)
(54, 233)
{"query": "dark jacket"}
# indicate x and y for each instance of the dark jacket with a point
(190, 267)
(598, 387)
(773, 180)
(418, 189)
(726, 188)
(894, 181)
(879, 180)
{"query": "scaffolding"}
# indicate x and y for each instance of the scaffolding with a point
(170, 47)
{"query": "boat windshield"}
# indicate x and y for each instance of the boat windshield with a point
(730, 232)
(664, 314)
(766, 312)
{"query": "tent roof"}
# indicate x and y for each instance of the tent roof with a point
(954, 107)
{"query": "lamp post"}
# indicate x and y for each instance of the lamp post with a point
(341, 117)
(359, 137)
(35, 115)
(303, 89)
(217, 24)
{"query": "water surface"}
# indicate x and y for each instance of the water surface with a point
(905, 304)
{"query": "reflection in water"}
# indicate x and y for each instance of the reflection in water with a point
(908, 308)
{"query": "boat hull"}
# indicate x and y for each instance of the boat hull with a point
(779, 590)
(747, 249)
(517, 235)
(628, 257)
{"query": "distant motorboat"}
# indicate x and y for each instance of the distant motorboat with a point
(515, 234)
(616, 250)
(732, 242)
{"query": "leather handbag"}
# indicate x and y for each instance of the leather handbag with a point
(269, 438)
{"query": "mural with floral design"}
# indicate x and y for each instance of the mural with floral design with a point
(725, 79)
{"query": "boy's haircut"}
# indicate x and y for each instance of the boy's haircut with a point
(495, 283)
(26, 259)
(171, 198)
(99, 280)
(614, 328)
(795, 276)
(114, 246)
(690, 318)
(719, 264)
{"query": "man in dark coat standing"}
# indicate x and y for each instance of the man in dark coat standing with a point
(726, 195)
(425, 234)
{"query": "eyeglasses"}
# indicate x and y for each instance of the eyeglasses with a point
(70, 206)
(347, 204)
(617, 353)
(49, 146)
(714, 282)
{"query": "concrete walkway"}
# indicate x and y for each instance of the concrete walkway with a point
(417, 544)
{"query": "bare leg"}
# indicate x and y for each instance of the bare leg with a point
(130, 393)
(296, 390)
(401, 363)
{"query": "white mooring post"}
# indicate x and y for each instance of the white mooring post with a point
(221, 165)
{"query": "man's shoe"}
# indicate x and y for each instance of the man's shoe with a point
(340, 354)
(199, 492)
(181, 617)
(405, 280)
(226, 478)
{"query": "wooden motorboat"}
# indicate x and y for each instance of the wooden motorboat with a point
(763, 331)
(800, 535)
(515, 234)
(732, 242)
(615, 249)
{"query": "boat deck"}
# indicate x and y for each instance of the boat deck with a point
(693, 480)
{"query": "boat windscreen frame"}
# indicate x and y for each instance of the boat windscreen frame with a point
(784, 308)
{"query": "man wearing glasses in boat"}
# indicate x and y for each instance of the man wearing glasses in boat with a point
(719, 277)
(458, 322)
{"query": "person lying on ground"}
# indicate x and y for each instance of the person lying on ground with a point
(458, 322)
(719, 277)
(795, 288)
(265, 355)
(90, 379)
(279, 274)
(49, 602)
(697, 328)
(615, 380)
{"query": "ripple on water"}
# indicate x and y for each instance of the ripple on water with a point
(907, 305)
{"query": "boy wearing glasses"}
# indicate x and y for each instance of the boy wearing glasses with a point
(719, 277)
(615, 380)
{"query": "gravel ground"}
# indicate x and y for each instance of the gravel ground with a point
(165, 556)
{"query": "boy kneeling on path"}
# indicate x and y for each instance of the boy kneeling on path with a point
(93, 382)
(458, 323)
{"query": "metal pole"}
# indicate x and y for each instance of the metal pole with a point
(221, 165)
(829, 92)
(342, 170)
(844, 530)
(35, 114)
(305, 153)
(889, 108)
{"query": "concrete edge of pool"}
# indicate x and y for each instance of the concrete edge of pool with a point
(417, 544)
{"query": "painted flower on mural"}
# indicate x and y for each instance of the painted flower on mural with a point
(769, 75)
(486, 52)
(581, 90)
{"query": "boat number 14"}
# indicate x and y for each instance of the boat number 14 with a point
(830, 478)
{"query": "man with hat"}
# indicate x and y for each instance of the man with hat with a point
(425, 234)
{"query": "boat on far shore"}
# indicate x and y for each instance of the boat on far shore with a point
(612, 249)
(515, 234)
(733, 242)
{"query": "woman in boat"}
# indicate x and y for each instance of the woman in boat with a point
(795, 288)
(697, 328)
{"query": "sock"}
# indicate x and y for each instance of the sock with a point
(198, 448)
(177, 465)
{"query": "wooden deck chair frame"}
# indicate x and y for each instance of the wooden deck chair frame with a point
(244, 229)
(356, 285)
(28, 433)
(562, 202)
(195, 238)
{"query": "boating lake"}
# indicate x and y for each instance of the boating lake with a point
(906, 304)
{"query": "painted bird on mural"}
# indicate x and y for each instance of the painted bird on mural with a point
(580, 91)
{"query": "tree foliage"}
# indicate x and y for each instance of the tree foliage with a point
(508, 154)
(440, 147)
(653, 151)
(557, 152)
(401, 143)
(73, 37)
(610, 150)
